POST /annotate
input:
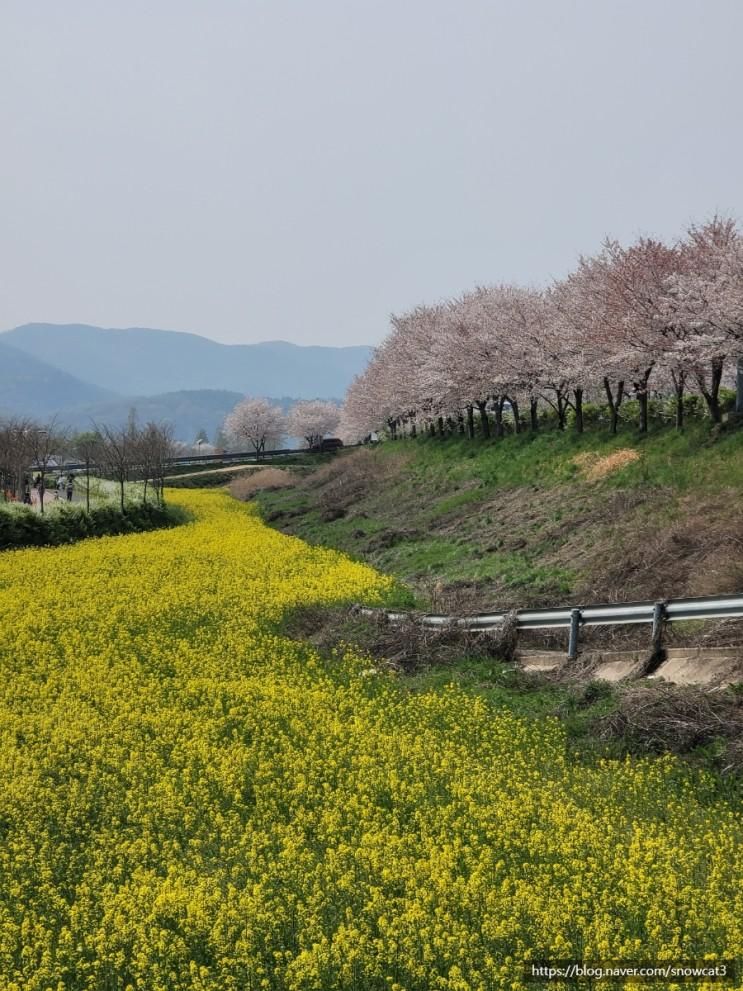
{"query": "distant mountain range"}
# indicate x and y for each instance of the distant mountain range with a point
(79, 373)
(33, 387)
(142, 362)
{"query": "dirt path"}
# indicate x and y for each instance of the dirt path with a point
(214, 471)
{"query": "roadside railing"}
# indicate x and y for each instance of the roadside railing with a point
(232, 457)
(572, 618)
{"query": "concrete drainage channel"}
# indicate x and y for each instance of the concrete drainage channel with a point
(680, 665)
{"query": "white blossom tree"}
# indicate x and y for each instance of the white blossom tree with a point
(705, 303)
(258, 423)
(313, 419)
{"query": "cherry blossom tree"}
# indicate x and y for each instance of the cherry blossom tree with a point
(313, 419)
(539, 353)
(615, 306)
(361, 409)
(258, 423)
(705, 300)
(592, 333)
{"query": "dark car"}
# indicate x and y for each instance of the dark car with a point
(329, 444)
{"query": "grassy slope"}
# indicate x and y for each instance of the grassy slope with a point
(479, 525)
(514, 521)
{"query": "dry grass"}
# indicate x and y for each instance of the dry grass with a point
(405, 647)
(595, 467)
(658, 718)
(344, 481)
(696, 553)
(268, 478)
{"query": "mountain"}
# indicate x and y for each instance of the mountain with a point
(31, 387)
(143, 362)
(188, 411)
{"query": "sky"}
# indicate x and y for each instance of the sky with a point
(264, 169)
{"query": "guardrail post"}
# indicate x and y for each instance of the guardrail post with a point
(659, 620)
(575, 618)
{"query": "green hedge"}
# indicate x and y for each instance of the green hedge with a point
(204, 480)
(26, 528)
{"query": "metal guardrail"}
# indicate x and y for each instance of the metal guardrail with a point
(198, 459)
(227, 459)
(573, 618)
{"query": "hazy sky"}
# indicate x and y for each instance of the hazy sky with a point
(257, 170)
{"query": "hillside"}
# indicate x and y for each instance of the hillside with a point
(556, 518)
(187, 411)
(32, 387)
(140, 362)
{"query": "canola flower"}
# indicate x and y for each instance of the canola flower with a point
(190, 800)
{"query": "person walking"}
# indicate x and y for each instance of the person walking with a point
(70, 487)
(60, 487)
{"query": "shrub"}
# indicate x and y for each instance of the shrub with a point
(245, 487)
(204, 480)
(25, 528)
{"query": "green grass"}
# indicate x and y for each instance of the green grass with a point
(516, 519)
(691, 458)
(462, 560)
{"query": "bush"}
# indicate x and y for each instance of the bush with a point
(266, 479)
(727, 399)
(204, 480)
(25, 528)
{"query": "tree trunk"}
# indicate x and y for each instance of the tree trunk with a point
(498, 408)
(562, 409)
(460, 423)
(641, 391)
(679, 381)
(711, 393)
(87, 486)
(413, 428)
(516, 416)
(441, 426)
(614, 404)
(121, 493)
(144, 495)
(739, 387)
(470, 422)
(482, 407)
(578, 394)
(534, 414)
(642, 398)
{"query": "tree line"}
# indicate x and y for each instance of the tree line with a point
(29, 450)
(650, 319)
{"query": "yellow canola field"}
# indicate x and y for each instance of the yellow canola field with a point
(190, 800)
